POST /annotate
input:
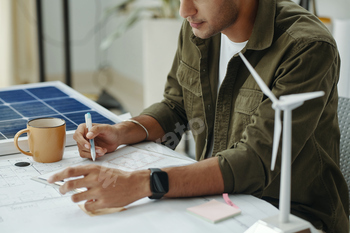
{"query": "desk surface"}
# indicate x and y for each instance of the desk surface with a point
(30, 206)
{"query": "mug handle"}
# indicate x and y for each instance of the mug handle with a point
(16, 141)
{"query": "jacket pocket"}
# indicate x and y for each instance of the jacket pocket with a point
(248, 101)
(189, 79)
(246, 104)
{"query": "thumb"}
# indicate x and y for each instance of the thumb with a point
(91, 206)
(90, 135)
(94, 131)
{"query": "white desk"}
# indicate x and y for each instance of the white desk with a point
(29, 206)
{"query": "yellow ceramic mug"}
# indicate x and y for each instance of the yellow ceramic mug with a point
(46, 139)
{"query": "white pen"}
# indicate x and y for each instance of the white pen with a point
(88, 122)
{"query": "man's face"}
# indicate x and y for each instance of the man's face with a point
(209, 17)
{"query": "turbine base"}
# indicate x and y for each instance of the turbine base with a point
(273, 225)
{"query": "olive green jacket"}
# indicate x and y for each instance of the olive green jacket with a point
(294, 53)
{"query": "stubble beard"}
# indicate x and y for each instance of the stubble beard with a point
(227, 18)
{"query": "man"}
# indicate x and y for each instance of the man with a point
(210, 90)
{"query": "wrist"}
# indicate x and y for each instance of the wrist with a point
(130, 132)
(141, 125)
(121, 130)
(142, 178)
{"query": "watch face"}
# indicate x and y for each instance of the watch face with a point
(160, 182)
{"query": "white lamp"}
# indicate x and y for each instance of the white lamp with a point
(284, 222)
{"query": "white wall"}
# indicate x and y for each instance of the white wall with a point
(5, 45)
(126, 54)
(332, 8)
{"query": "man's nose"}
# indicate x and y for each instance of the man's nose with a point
(187, 8)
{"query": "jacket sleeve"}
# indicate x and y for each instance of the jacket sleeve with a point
(310, 67)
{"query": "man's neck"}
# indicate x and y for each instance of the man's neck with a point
(242, 29)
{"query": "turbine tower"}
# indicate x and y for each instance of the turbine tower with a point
(284, 222)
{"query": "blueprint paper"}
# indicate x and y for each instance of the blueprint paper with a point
(30, 206)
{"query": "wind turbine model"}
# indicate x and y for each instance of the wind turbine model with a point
(284, 222)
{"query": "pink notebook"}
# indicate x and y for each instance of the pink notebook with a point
(214, 211)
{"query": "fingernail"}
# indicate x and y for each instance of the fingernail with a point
(99, 151)
(87, 146)
(50, 179)
(89, 134)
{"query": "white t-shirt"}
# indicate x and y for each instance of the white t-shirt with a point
(228, 49)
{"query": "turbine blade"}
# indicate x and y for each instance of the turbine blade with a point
(276, 137)
(300, 98)
(259, 80)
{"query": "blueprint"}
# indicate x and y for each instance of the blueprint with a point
(16, 186)
(30, 206)
(131, 158)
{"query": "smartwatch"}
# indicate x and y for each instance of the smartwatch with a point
(159, 183)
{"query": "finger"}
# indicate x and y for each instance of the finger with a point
(100, 151)
(87, 195)
(92, 206)
(71, 172)
(78, 135)
(99, 129)
(84, 153)
(76, 183)
(94, 131)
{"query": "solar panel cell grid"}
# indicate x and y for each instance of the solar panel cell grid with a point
(17, 107)
(64, 105)
(7, 113)
(32, 109)
(47, 92)
(8, 129)
(15, 96)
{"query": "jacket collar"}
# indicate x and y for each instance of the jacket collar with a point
(263, 30)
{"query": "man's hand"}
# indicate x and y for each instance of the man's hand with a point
(115, 188)
(107, 187)
(109, 137)
(106, 138)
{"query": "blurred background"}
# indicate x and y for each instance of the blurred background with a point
(138, 56)
(134, 66)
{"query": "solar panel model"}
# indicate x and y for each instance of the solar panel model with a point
(21, 103)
